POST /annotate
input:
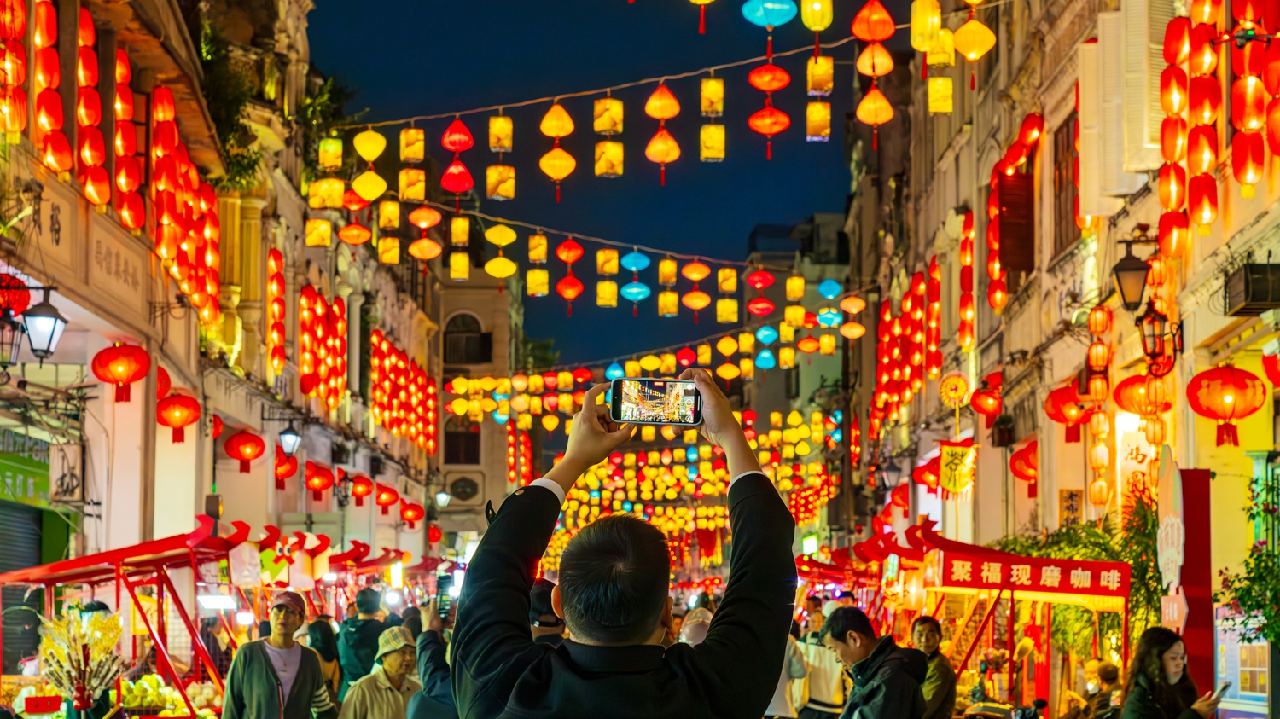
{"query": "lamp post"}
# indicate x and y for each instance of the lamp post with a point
(442, 499)
(44, 327)
(290, 439)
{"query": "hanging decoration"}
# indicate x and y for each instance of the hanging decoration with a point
(178, 411)
(385, 497)
(276, 354)
(55, 149)
(121, 365)
(873, 25)
(769, 78)
(500, 179)
(403, 399)
(662, 149)
(500, 266)
(1025, 465)
(973, 40)
(569, 287)
(456, 178)
(557, 164)
(128, 168)
(244, 446)
(966, 329)
(711, 103)
(1226, 394)
(695, 299)
(286, 467)
(92, 151)
(317, 478)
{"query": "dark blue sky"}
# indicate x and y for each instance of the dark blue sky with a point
(425, 57)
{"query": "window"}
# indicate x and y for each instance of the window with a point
(1065, 230)
(1253, 668)
(464, 343)
(461, 441)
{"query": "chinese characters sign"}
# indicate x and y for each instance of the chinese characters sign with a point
(997, 570)
(956, 465)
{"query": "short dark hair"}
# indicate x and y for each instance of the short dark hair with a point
(614, 576)
(1108, 672)
(848, 619)
(927, 621)
(368, 600)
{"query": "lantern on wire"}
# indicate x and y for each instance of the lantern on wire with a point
(413, 145)
(121, 365)
(569, 287)
(424, 218)
(500, 267)
(245, 447)
(702, 14)
(819, 70)
(611, 157)
(662, 149)
(1226, 394)
(769, 120)
(769, 14)
(608, 114)
(973, 40)
(557, 164)
(385, 497)
(635, 290)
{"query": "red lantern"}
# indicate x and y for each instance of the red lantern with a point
(457, 138)
(361, 487)
(434, 534)
(760, 307)
(355, 234)
(286, 467)
(244, 446)
(411, 513)
(1099, 320)
(121, 365)
(13, 19)
(1173, 90)
(1099, 356)
(1202, 192)
(760, 279)
(385, 497)
(1226, 394)
(1205, 100)
(56, 154)
(769, 121)
(1273, 122)
(318, 478)
(1248, 104)
(178, 411)
(873, 23)
(1172, 187)
(686, 357)
(1271, 365)
(1173, 139)
(456, 178)
(1174, 234)
(1248, 160)
(215, 426)
(769, 78)
(1203, 59)
(988, 403)
(1062, 405)
(1177, 41)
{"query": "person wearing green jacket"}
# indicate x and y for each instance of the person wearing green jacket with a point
(939, 686)
(276, 677)
(358, 639)
(1159, 686)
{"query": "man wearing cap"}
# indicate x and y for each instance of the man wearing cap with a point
(277, 677)
(546, 626)
(386, 691)
(358, 639)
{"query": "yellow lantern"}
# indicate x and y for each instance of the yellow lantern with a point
(608, 116)
(827, 344)
(974, 40)
(536, 385)
(459, 265)
(786, 357)
(816, 14)
(501, 133)
(500, 267)
(747, 368)
(795, 290)
(557, 165)
(704, 355)
(727, 345)
(609, 159)
(727, 311)
(668, 304)
(632, 368)
(926, 24)
(819, 75)
(538, 284)
(711, 98)
(424, 248)
(662, 105)
(500, 181)
(786, 332)
(794, 419)
(550, 422)
(327, 193)
(940, 95)
(459, 231)
(663, 149)
(746, 342)
(727, 280)
(728, 372)
(607, 262)
(565, 382)
(875, 61)
(556, 123)
(388, 215)
(667, 271)
(650, 363)
(459, 406)
(413, 185)
(319, 232)
(369, 186)
(538, 249)
(606, 293)
(369, 144)
(648, 433)
(389, 250)
(413, 145)
(669, 366)
(330, 153)
(500, 235)
(943, 52)
(711, 143)
(817, 121)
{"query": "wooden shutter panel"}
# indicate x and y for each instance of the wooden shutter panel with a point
(1017, 223)
(1144, 24)
(1111, 36)
(1092, 200)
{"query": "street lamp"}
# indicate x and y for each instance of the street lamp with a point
(10, 339)
(44, 327)
(442, 499)
(1154, 325)
(290, 439)
(1131, 278)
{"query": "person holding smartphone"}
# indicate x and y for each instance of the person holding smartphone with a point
(1159, 686)
(613, 596)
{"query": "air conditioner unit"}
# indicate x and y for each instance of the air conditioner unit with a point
(1252, 289)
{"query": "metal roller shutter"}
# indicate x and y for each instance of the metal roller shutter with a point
(20, 529)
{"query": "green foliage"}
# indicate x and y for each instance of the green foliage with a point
(1254, 592)
(226, 92)
(1132, 541)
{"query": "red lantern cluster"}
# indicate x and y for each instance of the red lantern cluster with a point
(92, 150)
(769, 121)
(1017, 155)
(403, 398)
(569, 287)
(456, 178)
(178, 411)
(318, 478)
(412, 513)
(873, 25)
(1083, 222)
(244, 446)
(13, 68)
(128, 167)
(966, 331)
(987, 401)
(322, 334)
(276, 355)
(513, 454)
(1025, 465)
(55, 149)
(121, 365)
(286, 467)
(933, 321)
(1226, 394)
(759, 305)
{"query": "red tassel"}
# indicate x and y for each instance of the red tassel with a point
(570, 311)
(122, 393)
(317, 495)
(875, 138)
(991, 420)
(244, 466)
(663, 172)
(279, 484)
(457, 204)
(359, 501)
(973, 80)
(702, 21)
(1032, 490)
(635, 309)
(384, 510)
(768, 53)
(768, 150)
(817, 45)
(1073, 434)
(924, 71)
(557, 192)
(177, 435)
(412, 526)
(499, 286)
(1227, 435)
(695, 317)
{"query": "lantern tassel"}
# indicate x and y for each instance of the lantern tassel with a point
(991, 420)
(635, 309)
(122, 393)
(557, 193)
(244, 466)
(279, 484)
(768, 150)
(973, 80)
(702, 20)
(817, 45)
(875, 138)
(924, 70)
(1032, 491)
(1227, 435)
(177, 435)
(1073, 434)
(569, 312)
(317, 495)
(384, 510)
(768, 53)
(412, 525)
(663, 172)
(359, 501)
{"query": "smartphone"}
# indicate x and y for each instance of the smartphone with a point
(443, 599)
(1222, 690)
(655, 401)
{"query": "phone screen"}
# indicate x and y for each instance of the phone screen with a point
(656, 401)
(444, 584)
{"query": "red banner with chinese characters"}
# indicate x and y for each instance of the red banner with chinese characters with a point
(1010, 571)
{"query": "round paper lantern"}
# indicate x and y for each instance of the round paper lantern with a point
(662, 149)
(1099, 492)
(457, 178)
(873, 23)
(1062, 405)
(361, 487)
(121, 365)
(1099, 356)
(769, 78)
(434, 534)
(412, 513)
(355, 234)
(874, 110)
(1172, 186)
(385, 497)
(769, 13)
(318, 478)
(760, 307)
(244, 446)
(1099, 320)
(286, 467)
(557, 165)
(760, 279)
(1226, 394)
(457, 138)
(1205, 101)
(769, 121)
(178, 411)
(1202, 193)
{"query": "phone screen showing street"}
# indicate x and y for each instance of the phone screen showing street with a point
(659, 401)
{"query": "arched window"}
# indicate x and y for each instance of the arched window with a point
(464, 343)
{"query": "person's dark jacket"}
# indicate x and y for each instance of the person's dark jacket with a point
(1141, 704)
(939, 688)
(254, 691)
(435, 701)
(357, 648)
(887, 683)
(1096, 705)
(498, 671)
(554, 640)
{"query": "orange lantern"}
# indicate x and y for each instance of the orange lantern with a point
(1248, 104)
(1226, 394)
(874, 110)
(1202, 193)
(873, 23)
(997, 295)
(1099, 320)
(1273, 121)
(244, 446)
(1172, 186)
(1173, 139)
(1099, 492)
(1099, 356)
(355, 234)
(1203, 59)
(1173, 90)
(56, 154)
(1174, 234)
(769, 121)
(1248, 160)
(988, 403)
(178, 411)
(385, 497)
(121, 365)
(1205, 100)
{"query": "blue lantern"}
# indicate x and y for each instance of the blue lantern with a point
(769, 13)
(767, 335)
(836, 435)
(500, 418)
(830, 289)
(635, 291)
(837, 416)
(693, 472)
(614, 371)
(828, 317)
(765, 360)
(634, 261)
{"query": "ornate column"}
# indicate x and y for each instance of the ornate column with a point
(229, 272)
(252, 262)
(355, 306)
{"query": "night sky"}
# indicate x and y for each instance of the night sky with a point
(408, 58)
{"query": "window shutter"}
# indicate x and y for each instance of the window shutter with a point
(1111, 53)
(1017, 225)
(1092, 201)
(1144, 24)
(486, 348)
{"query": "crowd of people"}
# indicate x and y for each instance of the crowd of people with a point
(606, 642)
